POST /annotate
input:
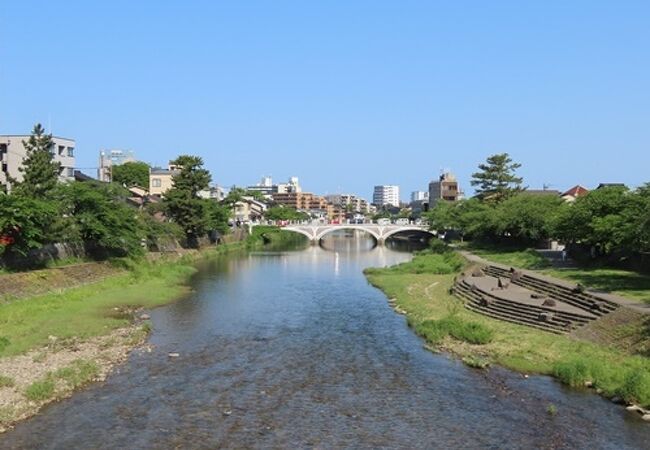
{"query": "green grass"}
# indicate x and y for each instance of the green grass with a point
(425, 262)
(426, 299)
(632, 285)
(524, 258)
(40, 391)
(90, 310)
(78, 373)
(6, 381)
(434, 331)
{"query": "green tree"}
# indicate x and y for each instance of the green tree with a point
(598, 219)
(135, 173)
(40, 171)
(527, 218)
(98, 216)
(182, 202)
(24, 223)
(496, 179)
(285, 213)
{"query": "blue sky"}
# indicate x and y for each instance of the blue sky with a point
(343, 94)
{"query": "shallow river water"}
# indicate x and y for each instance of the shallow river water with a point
(296, 350)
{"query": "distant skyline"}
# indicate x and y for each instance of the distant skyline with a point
(344, 95)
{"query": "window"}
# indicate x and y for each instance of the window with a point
(155, 182)
(70, 151)
(70, 172)
(61, 149)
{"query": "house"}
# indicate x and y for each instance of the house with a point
(248, 209)
(572, 194)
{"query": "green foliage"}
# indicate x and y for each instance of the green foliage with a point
(40, 171)
(78, 373)
(4, 343)
(635, 387)
(40, 391)
(426, 262)
(598, 218)
(434, 331)
(24, 223)
(132, 173)
(285, 213)
(496, 179)
(528, 218)
(182, 202)
(99, 218)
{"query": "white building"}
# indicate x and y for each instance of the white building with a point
(419, 196)
(110, 158)
(13, 152)
(386, 195)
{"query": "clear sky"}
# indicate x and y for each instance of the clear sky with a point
(343, 94)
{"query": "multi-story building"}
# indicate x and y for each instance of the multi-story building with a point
(419, 196)
(267, 188)
(160, 180)
(305, 201)
(386, 195)
(445, 188)
(13, 153)
(110, 158)
(349, 202)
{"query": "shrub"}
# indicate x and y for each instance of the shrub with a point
(576, 371)
(40, 391)
(635, 387)
(435, 331)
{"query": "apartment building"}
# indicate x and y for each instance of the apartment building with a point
(386, 195)
(13, 153)
(445, 188)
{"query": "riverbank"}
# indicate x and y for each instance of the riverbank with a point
(420, 290)
(55, 342)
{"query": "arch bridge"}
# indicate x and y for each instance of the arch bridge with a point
(380, 232)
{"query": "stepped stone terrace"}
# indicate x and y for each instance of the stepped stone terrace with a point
(536, 301)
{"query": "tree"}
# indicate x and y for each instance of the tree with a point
(528, 218)
(101, 219)
(40, 171)
(24, 223)
(285, 213)
(597, 219)
(182, 202)
(135, 173)
(496, 180)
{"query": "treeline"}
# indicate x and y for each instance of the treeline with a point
(611, 222)
(41, 211)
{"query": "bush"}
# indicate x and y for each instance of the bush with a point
(576, 371)
(434, 331)
(635, 387)
(40, 391)
(433, 263)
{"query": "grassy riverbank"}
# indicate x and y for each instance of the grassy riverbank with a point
(420, 289)
(52, 344)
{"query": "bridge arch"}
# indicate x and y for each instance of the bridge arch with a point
(320, 235)
(403, 229)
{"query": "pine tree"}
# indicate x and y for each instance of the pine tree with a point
(40, 171)
(497, 180)
(182, 202)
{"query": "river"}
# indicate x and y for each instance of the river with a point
(295, 349)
